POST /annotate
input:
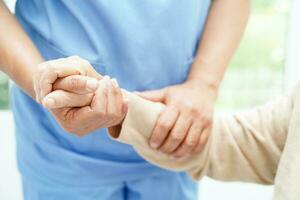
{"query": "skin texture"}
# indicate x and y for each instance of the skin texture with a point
(79, 103)
(178, 131)
(21, 61)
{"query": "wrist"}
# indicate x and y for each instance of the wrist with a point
(202, 84)
(206, 81)
(207, 73)
(22, 72)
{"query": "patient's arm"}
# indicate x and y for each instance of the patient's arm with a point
(242, 147)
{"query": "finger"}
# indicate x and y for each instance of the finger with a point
(203, 140)
(52, 70)
(98, 106)
(177, 134)
(115, 102)
(96, 111)
(190, 142)
(164, 124)
(100, 100)
(63, 99)
(154, 95)
(76, 84)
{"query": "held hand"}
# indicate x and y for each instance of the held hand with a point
(183, 128)
(83, 113)
(49, 72)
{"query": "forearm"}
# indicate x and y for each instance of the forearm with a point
(18, 55)
(226, 22)
(247, 146)
(242, 147)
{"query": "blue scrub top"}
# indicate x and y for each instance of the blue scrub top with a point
(144, 44)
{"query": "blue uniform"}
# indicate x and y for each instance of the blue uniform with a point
(144, 44)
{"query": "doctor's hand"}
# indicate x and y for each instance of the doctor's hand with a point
(80, 112)
(50, 71)
(183, 127)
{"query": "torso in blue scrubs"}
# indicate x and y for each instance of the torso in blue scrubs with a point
(144, 44)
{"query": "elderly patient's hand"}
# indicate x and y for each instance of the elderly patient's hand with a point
(80, 103)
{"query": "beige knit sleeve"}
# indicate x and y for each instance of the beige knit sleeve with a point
(247, 146)
(242, 147)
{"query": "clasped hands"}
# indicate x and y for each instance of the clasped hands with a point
(82, 101)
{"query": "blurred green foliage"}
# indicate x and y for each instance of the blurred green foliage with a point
(255, 74)
(3, 91)
(262, 5)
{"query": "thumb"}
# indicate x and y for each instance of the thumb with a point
(77, 84)
(153, 95)
(64, 99)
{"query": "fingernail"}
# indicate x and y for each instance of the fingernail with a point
(115, 82)
(105, 81)
(108, 83)
(92, 85)
(154, 145)
(49, 102)
(106, 77)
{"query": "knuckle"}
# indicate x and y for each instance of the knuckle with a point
(207, 119)
(164, 124)
(190, 143)
(176, 137)
(74, 83)
(202, 143)
(157, 141)
(84, 62)
(192, 109)
(195, 111)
